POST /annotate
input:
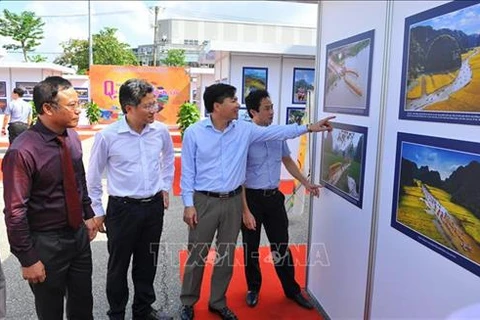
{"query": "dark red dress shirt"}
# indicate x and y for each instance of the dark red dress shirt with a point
(33, 187)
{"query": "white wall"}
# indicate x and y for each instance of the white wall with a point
(13, 75)
(343, 228)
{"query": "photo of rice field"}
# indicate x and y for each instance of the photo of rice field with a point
(442, 65)
(437, 195)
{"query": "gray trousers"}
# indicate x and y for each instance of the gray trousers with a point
(3, 295)
(223, 216)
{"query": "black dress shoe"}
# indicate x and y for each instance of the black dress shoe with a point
(301, 301)
(224, 312)
(157, 315)
(252, 298)
(186, 313)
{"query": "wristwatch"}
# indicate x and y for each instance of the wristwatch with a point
(308, 127)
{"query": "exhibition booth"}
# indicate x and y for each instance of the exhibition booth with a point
(395, 231)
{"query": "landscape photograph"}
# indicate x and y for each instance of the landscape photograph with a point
(303, 79)
(441, 65)
(254, 79)
(348, 74)
(343, 161)
(437, 196)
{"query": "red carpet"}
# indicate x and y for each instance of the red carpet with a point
(272, 302)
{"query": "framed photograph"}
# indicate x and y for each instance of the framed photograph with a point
(82, 93)
(348, 75)
(3, 105)
(243, 115)
(441, 65)
(3, 89)
(28, 87)
(343, 161)
(303, 79)
(253, 79)
(295, 115)
(436, 196)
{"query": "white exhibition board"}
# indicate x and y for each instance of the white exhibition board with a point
(413, 276)
(340, 230)
(411, 280)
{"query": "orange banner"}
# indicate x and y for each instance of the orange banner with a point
(172, 87)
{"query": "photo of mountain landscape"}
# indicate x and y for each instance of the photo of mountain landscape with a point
(343, 161)
(441, 64)
(437, 196)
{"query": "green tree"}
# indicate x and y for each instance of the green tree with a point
(174, 58)
(25, 29)
(107, 49)
(37, 58)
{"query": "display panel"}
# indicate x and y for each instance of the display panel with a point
(343, 161)
(348, 72)
(441, 65)
(436, 198)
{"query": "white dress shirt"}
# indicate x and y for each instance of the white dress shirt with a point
(137, 165)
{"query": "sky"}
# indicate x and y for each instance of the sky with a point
(465, 20)
(65, 20)
(444, 161)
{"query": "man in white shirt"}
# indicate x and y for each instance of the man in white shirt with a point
(137, 154)
(18, 115)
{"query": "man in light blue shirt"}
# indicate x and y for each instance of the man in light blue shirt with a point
(214, 156)
(264, 205)
(137, 154)
(18, 115)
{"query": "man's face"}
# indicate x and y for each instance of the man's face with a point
(264, 115)
(228, 109)
(144, 113)
(67, 110)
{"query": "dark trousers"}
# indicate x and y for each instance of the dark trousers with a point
(14, 130)
(133, 229)
(67, 258)
(270, 212)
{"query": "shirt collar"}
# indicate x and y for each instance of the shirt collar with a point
(47, 134)
(124, 127)
(208, 122)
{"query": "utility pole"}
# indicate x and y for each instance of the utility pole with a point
(155, 27)
(90, 41)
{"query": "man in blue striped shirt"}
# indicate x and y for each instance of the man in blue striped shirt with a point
(214, 156)
(264, 205)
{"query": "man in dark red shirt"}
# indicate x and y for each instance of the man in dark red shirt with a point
(54, 252)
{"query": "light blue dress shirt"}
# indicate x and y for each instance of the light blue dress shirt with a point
(137, 165)
(19, 110)
(264, 164)
(215, 161)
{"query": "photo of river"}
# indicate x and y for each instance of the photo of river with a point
(348, 73)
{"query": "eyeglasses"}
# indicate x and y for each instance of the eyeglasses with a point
(152, 107)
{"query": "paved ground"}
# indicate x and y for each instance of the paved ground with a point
(167, 282)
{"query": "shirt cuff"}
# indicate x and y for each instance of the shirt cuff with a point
(27, 258)
(88, 212)
(188, 200)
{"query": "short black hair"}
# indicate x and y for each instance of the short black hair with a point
(46, 91)
(254, 99)
(19, 91)
(132, 92)
(217, 93)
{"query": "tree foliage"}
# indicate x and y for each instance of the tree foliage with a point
(25, 29)
(107, 50)
(174, 58)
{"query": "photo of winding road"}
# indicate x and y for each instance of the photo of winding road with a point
(443, 71)
(348, 74)
(343, 161)
(438, 196)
